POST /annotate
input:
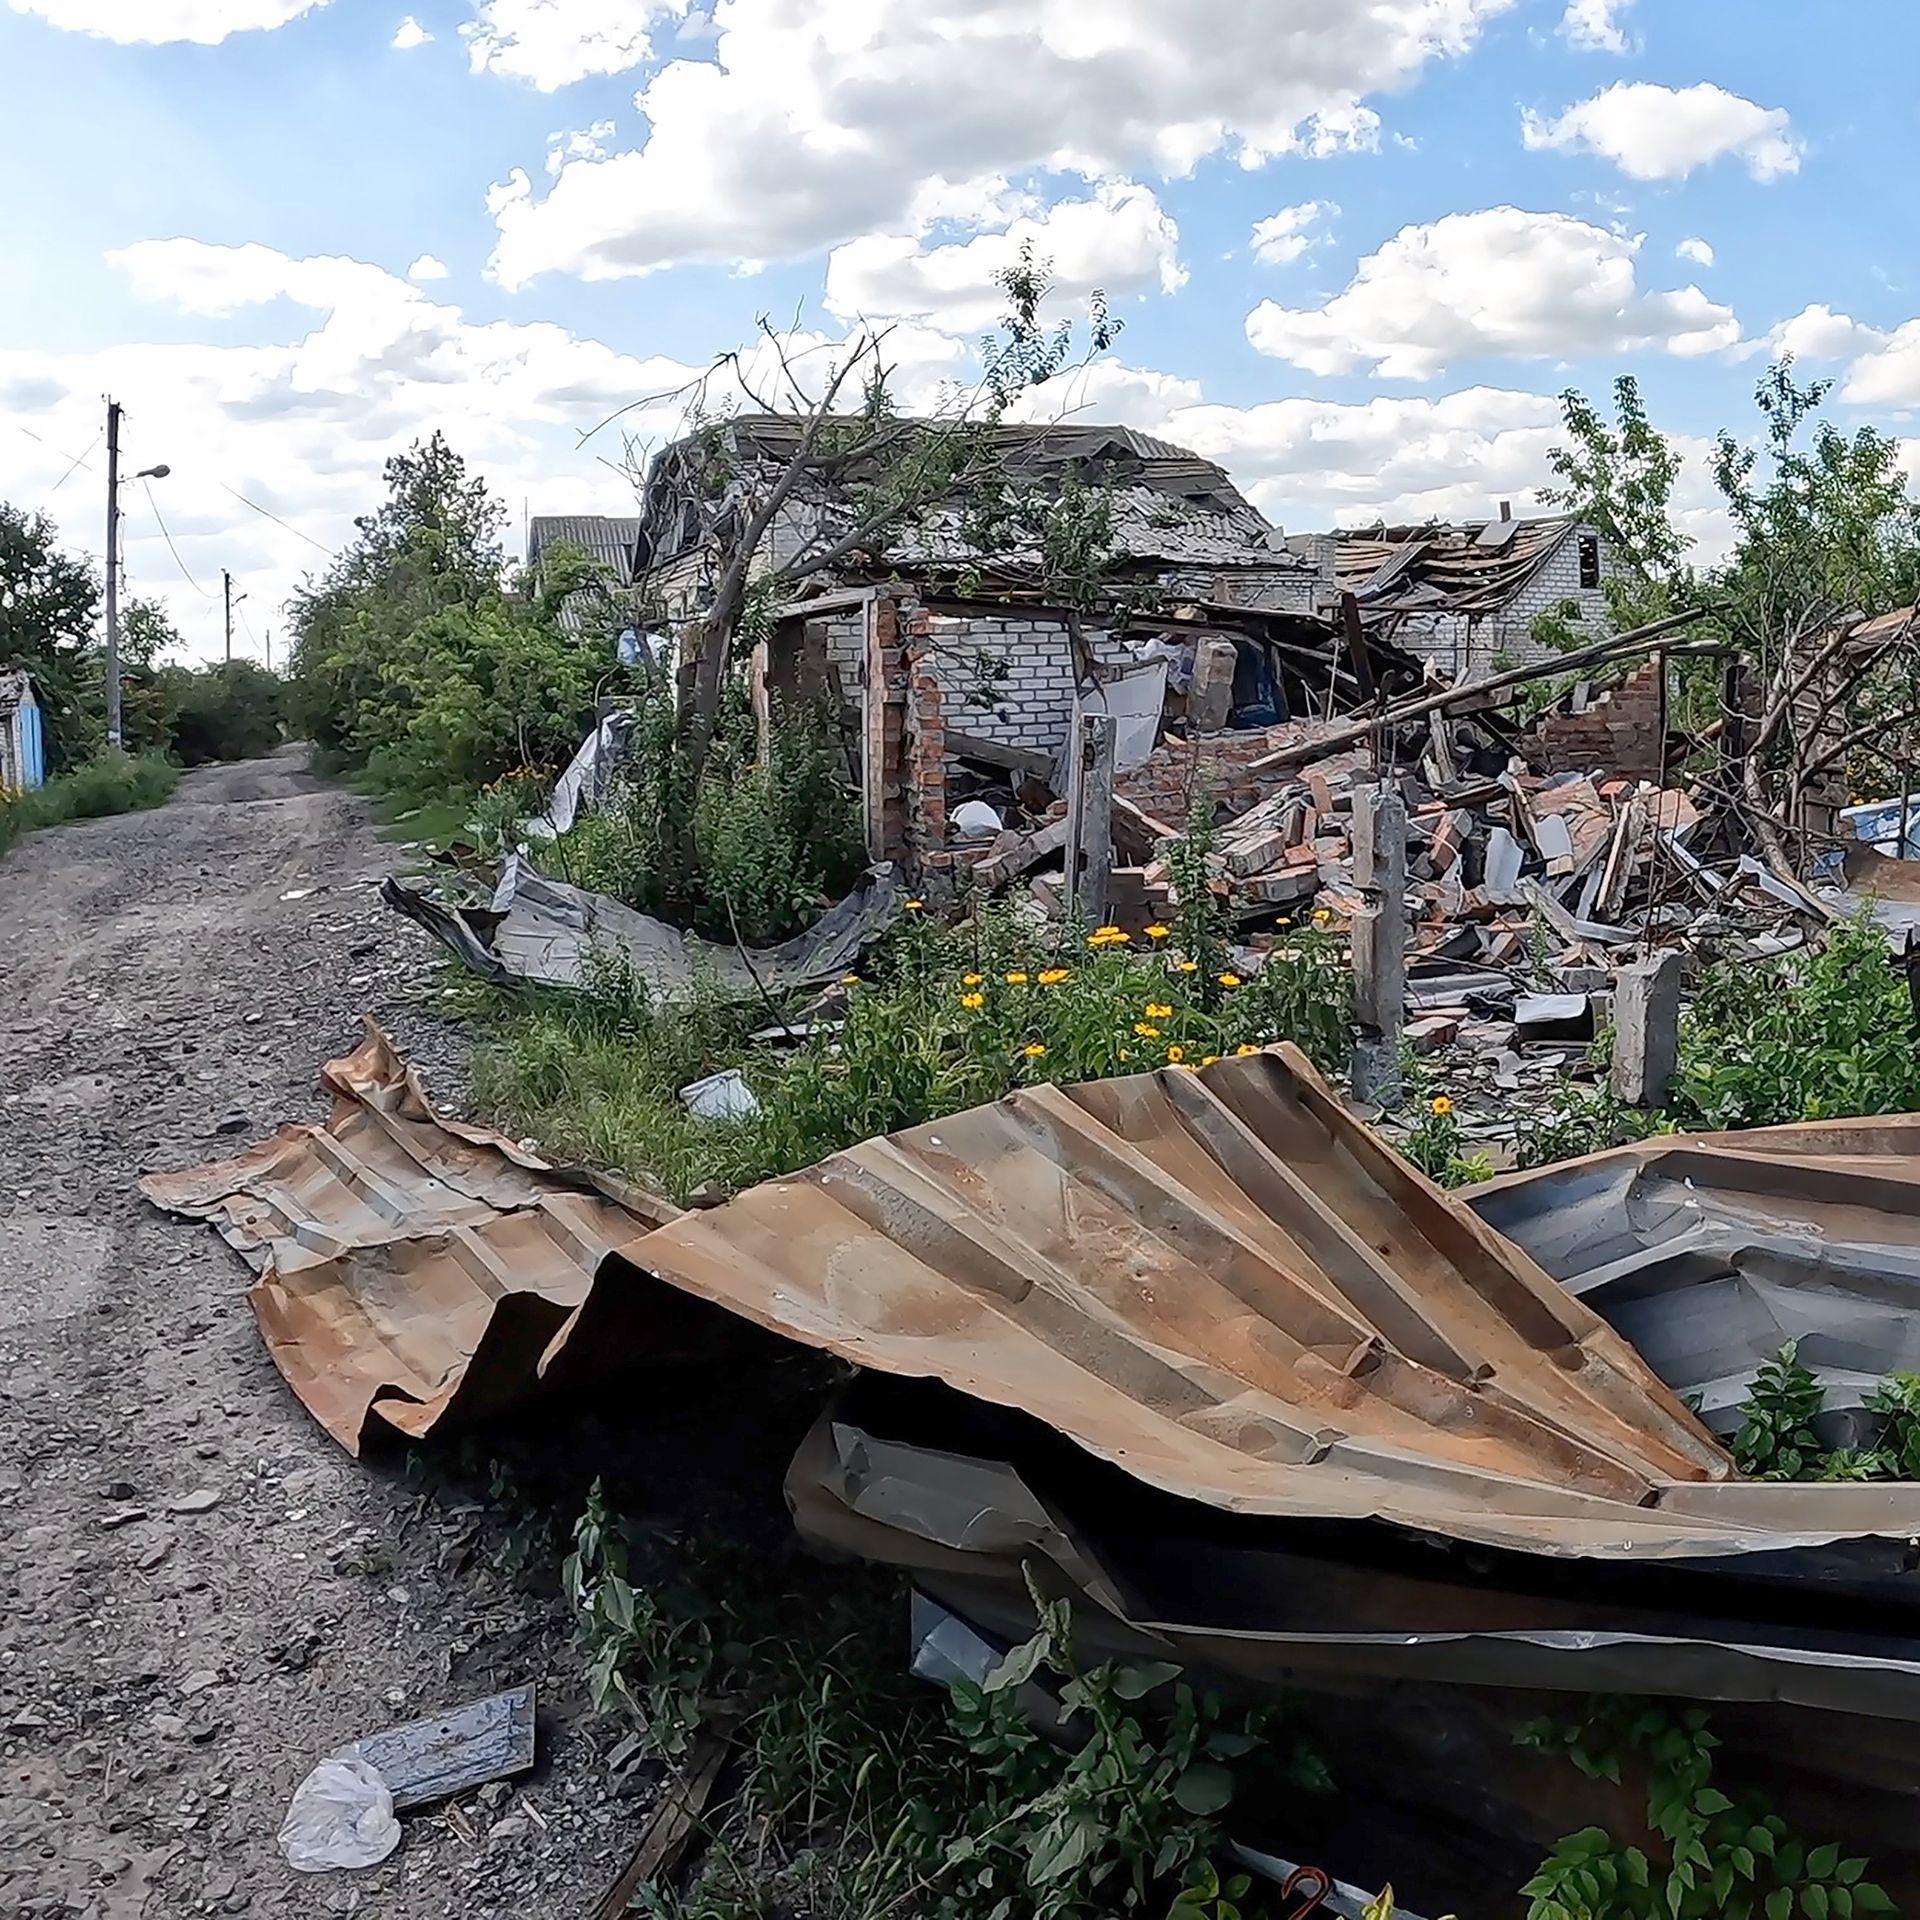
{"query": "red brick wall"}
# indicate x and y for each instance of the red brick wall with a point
(1624, 732)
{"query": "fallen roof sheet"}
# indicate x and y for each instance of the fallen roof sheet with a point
(1223, 1283)
(541, 932)
(1709, 1252)
(410, 1269)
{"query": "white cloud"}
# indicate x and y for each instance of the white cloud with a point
(410, 34)
(1312, 464)
(1286, 235)
(587, 143)
(552, 43)
(1534, 286)
(156, 22)
(1594, 25)
(815, 119)
(1120, 240)
(1700, 252)
(426, 268)
(1663, 133)
(302, 420)
(1882, 368)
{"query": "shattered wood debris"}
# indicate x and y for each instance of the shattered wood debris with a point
(536, 931)
(409, 1269)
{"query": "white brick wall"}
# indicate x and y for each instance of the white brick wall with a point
(1462, 646)
(1027, 699)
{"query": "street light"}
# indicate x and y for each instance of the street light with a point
(113, 566)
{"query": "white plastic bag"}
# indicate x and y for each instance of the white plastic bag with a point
(341, 1816)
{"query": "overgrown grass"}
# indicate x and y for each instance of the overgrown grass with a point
(864, 1794)
(112, 782)
(948, 1018)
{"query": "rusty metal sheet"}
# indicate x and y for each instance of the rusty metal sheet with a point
(1225, 1285)
(410, 1268)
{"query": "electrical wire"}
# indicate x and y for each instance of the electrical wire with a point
(275, 518)
(75, 461)
(147, 488)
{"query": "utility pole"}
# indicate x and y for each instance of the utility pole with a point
(113, 573)
(226, 586)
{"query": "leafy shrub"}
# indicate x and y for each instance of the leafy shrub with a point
(760, 847)
(865, 1794)
(1777, 1440)
(228, 712)
(1726, 1856)
(1823, 1034)
(110, 783)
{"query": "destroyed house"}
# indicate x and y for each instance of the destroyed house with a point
(1466, 597)
(968, 656)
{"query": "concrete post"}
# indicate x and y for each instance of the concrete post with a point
(1379, 941)
(1646, 1030)
(1090, 814)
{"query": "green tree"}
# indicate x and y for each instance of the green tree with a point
(1619, 476)
(414, 656)
(49, 605)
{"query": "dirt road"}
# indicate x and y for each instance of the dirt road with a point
(199, 1594)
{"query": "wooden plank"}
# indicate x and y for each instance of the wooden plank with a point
(674, 1821)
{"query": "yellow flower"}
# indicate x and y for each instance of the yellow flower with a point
(1229, 979)
(1109, 933)
(913, 906)
(1321, 916)
(1035, 1051)
(1186, 966)
(1441, 1104)
(973, 979)
(1241, 1052)
(849, 979)
(1156, 1011)
(973, 1000)
(1145, 1031)
(1016, 979)
(1053, 976)
(1157, 932)
(1210, 1059)
(1176, 1054)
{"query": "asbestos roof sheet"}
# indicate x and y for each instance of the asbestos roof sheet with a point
(1225, 1285)
(1438, 569)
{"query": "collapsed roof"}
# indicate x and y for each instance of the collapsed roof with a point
(1169, 504)
(1471, 569)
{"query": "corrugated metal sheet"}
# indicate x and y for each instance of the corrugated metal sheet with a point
(1225, 1285)
(408, 1267)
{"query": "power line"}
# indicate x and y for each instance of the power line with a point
(147, 488)
(73, 467)
(274, 517)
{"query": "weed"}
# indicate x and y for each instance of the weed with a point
(1776, 1440)
(1581, 1120)
(865, 1796)
(1726, 1856)
(1817, 1035)
(111, 782)
(951, 1019)
(1436, 1145)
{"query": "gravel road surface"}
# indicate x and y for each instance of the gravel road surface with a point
(200, 1595)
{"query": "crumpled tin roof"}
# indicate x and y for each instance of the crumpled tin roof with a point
(1224, 1284)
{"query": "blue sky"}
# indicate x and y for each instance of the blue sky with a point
(1470, 203)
